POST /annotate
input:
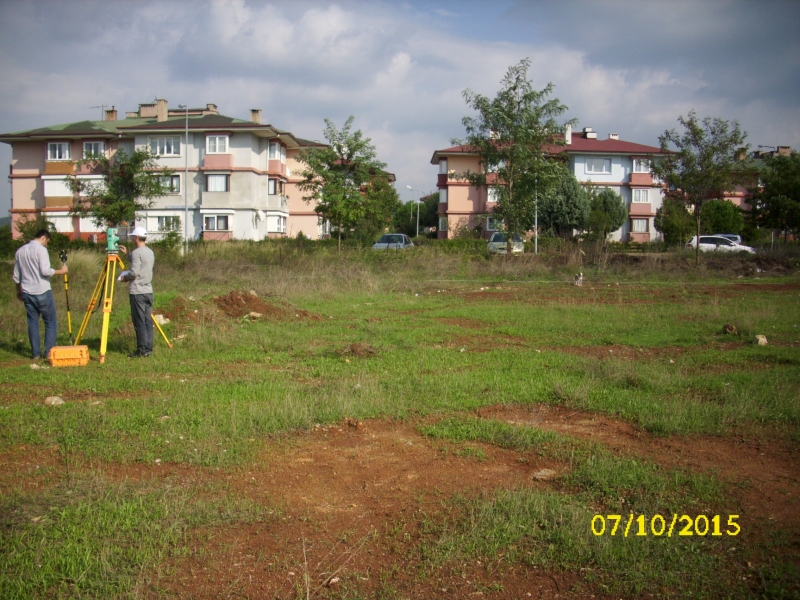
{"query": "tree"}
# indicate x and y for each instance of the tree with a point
(776, 204)
(674, 222)
(130, 183)
(405, 219)
(607, 213)
(565, 206)
(721, 216)
(704, 164)
(381, 202)
(510, 134)
(337, 176)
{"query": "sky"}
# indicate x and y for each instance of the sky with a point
(630, 67)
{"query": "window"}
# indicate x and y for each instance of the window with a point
(442, 223)
(598, 165)
(641, 165)
(172, 183)
(640, 225)
(169, 223)
(491, 195)
(93, 149)
(443, 166)
(216, 223)
(641, 196)
(493, 223)
(217, 144)
(281, 224)
(165, 146)
(58, 151)
(443, 196)
(283, 154)
(216, 183)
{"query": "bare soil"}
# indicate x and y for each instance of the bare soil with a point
(356, 497)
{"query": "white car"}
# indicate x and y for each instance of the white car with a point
(717, 243)
(393, 241)
(499, 244)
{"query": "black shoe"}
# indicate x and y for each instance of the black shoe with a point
(138, 354)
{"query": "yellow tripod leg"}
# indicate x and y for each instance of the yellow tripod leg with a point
(161, 331)
(92, 304)
(108, 301)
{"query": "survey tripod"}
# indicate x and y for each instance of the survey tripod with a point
(105, 286)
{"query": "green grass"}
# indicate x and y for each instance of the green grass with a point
(92, 538)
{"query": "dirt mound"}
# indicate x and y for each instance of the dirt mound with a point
(358, 349)
(239, 304)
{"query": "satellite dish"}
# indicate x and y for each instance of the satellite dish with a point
(260, 215)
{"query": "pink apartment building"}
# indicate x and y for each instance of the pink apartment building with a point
(240, 181)
(622, 166)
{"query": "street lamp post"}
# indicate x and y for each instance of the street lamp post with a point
(185, 107)
(418, 203)
(536, 214)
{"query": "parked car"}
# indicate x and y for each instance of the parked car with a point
(717, 243)
(499, 244)
(393, 241)
(734, 237)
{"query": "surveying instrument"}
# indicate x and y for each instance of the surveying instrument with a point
(105, 286)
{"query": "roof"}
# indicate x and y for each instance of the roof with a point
(579, 145)
(112, 129)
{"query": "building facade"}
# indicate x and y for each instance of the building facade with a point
(234, 178)
(621, 166)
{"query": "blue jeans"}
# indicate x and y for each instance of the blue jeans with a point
(141, 311)
(43, 305)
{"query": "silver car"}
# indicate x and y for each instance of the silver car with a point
(717, 243)
(393, 241)
(499, 244)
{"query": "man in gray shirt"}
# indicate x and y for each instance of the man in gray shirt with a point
(32, 273)
(140, 276)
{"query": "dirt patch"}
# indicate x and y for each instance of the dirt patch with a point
(484, 343)
(639, 353)
(358, 349)
(465, 323)
(238, 304)
(29, 469)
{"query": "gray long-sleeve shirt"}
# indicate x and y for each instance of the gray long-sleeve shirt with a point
(32, 268)
(141, 271)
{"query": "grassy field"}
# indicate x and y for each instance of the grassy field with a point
(115, 492)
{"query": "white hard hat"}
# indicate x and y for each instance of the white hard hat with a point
(139, 232)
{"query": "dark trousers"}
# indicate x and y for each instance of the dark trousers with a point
(141, 315)
(43, 305)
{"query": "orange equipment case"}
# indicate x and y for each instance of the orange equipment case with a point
(69, 356)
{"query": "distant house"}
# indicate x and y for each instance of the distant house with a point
(622, 166)
(239, 182)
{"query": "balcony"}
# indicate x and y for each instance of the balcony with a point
(442, 180)
(59, 167)
(641, 179)
(216, 200)
(442, 209)
(278, 203)
(218, 162)
(644, 209)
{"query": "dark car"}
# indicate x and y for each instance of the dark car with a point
(393, 241)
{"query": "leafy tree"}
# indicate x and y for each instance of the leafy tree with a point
(607, 213)
(776, 204)
(674, 222)
(337, 176)
(565, 206)
(381, 202)
(405, 219)
(721, 216)
(130, 183)
(510, 134)
(704, 163)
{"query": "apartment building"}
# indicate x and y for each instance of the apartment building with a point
(622, 166)
(233, 177)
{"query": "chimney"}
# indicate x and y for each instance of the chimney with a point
(613, 136)
(255, 115)
(111, 114)
(568, 134)
(210, 108)
(162, 109)
(784, 150)
(589, 133)
(147, 110)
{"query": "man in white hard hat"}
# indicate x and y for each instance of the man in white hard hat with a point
(140, 277)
